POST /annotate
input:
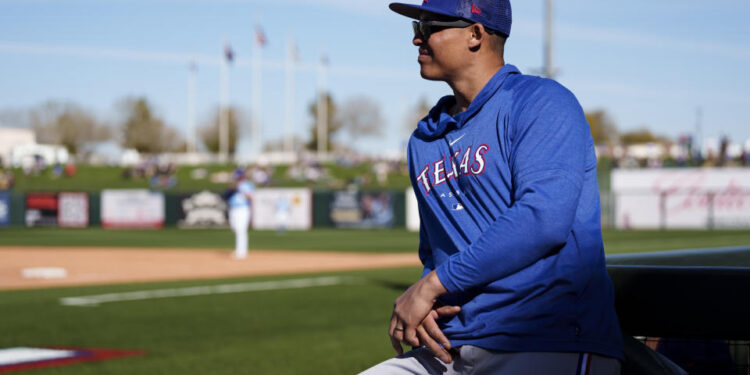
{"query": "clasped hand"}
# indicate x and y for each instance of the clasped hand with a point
(415, 315)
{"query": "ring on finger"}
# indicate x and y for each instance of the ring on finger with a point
(398, 329)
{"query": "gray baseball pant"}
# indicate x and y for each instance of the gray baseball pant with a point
(476, 360)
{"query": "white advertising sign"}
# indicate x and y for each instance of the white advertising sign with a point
(136, 208)
(73, 210)
(282, 209)
(412, 211)
(682, 198)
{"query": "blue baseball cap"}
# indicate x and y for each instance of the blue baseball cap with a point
(238, 174)
(492, 14)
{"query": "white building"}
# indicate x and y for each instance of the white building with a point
(110, 153)
(11, 138)
(27, 155)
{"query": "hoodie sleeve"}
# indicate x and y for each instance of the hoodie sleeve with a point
(425, 250)
(549, 139)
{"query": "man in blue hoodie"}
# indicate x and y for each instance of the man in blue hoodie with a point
(504, 171)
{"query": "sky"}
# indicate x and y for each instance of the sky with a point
(648, 64)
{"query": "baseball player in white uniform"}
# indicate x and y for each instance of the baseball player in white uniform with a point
(239, 212)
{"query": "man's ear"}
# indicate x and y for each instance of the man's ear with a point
(478, 36)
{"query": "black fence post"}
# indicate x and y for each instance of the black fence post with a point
(663, 210)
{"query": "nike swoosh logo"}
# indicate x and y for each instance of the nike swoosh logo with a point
(456, 140)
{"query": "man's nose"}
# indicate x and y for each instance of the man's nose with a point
(417, 40)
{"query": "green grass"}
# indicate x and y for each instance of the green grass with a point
(96, 178)
(621, 241)
(337, 329)
(90, 178)
(394, 240)
(377, 241)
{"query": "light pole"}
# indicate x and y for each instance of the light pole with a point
(291, 58)
(549, 70)
(224, 105)
(192, 137)
(256, 115)
(322, 117)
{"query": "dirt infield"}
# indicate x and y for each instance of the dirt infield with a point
(127, 265)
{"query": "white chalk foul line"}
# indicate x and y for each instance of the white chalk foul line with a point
(96, 300)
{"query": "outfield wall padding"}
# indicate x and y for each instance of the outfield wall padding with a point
(171, 210)
(399, 209)
(95, 209)
(322, 208)
(18, 209)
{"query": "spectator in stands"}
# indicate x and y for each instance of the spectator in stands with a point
(295, 173)
(164, 177)
(6, 179)
(70, 170)
(381, 170)
(57, 170)
(260, 176)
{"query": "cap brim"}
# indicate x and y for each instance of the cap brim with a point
(408, 10)
(415, 11)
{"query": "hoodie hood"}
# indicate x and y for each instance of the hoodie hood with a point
(438, 121)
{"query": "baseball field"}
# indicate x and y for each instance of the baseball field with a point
(313, 302)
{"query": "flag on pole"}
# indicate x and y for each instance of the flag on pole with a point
(293, 51)
(228, 53)
(260, 36)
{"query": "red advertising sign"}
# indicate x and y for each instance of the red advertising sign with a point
(41, 209)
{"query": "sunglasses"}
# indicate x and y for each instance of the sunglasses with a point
(426, 28)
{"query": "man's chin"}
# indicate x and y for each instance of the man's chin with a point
(429, 75)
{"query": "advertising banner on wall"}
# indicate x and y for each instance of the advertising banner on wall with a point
(132, 208)
(412, 211)
(4, 209)
(73, 210)
(682, 198)
(282, 209)
(41, 209)
(351, 209)
(202, 210)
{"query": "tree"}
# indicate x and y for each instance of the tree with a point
(360, 116)
(297, 143)
(417, 113)
(333, 121)
(210, 131)
(145, 132)
(603, 129)
(66, 124)
(638, 137)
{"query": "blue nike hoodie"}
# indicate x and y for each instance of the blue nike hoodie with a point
(510, 219)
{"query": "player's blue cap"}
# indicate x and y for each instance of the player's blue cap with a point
(238, 174)
(492, 14)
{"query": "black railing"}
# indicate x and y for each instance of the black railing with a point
(691, 306)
